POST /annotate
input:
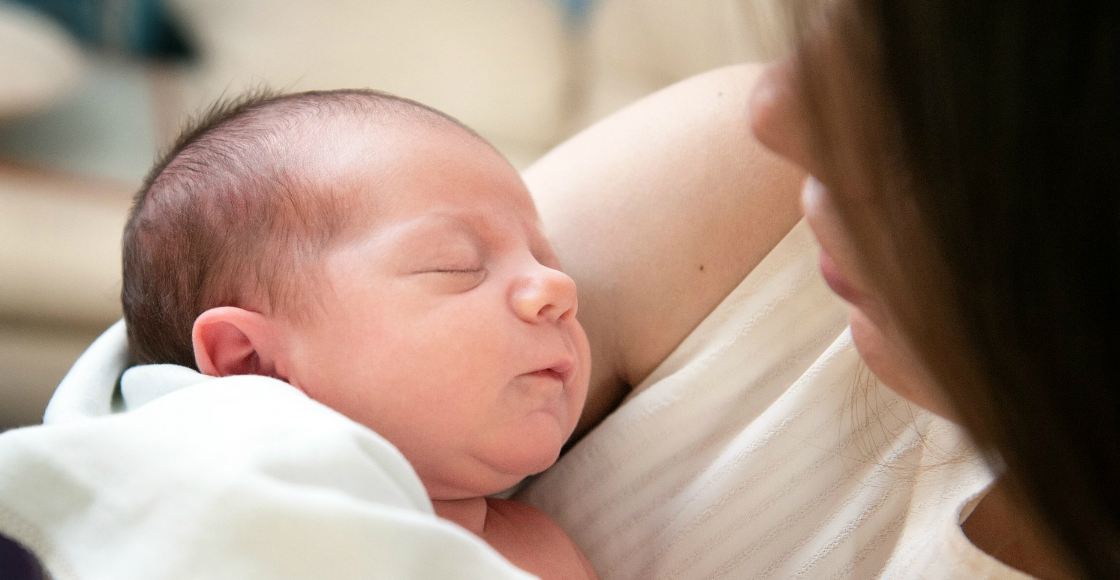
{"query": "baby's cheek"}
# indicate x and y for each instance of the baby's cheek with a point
(577, 391)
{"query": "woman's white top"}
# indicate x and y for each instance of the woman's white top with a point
(763, 448)
(759, 449)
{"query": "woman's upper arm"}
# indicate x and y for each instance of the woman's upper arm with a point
(658, 212)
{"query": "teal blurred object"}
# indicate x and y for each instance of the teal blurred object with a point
(576, 9)
(139, 27)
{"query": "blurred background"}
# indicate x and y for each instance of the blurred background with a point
(91, 90)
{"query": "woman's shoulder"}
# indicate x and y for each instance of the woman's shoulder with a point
(658, 212)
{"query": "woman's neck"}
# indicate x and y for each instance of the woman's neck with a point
(1002, 530)
(469, 513)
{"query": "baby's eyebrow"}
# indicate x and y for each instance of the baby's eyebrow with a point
(479, 229)
(426, 227)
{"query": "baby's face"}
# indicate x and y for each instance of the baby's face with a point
(447, 326)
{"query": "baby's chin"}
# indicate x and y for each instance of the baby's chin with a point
(535, 449)
(492, 472)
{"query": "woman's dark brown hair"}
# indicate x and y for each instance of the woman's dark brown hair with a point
(991, 130)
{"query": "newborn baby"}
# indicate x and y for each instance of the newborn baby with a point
(385, 260)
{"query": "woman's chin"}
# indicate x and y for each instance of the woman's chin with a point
(894, 366)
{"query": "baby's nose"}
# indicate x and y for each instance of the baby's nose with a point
(545, 295)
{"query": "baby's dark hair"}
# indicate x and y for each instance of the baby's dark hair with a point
(229, 217)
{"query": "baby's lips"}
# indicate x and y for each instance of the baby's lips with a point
(564, 369)
(560, 370)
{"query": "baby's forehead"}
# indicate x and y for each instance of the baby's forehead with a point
(340, 146)
(341, 127)
(378, 151)
(379, 172)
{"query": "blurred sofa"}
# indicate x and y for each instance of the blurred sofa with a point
(78, 127)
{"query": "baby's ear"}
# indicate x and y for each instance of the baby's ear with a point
(234, 341)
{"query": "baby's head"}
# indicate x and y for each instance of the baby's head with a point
(375, 254)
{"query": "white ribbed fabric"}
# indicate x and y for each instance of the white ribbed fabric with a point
(762, 448)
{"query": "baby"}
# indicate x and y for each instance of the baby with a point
(385, 260)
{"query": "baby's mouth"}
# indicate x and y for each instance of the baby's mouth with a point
(559, 370)
(549, 373)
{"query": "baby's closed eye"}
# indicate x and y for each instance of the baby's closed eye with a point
(451, 278)
(463, 271)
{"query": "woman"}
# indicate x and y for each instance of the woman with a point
(961, 160)
(971, 219)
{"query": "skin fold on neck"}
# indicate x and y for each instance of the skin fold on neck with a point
(469, 513)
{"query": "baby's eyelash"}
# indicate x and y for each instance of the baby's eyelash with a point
(458, 271)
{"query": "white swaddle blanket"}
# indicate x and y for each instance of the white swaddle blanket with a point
(176, 475)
